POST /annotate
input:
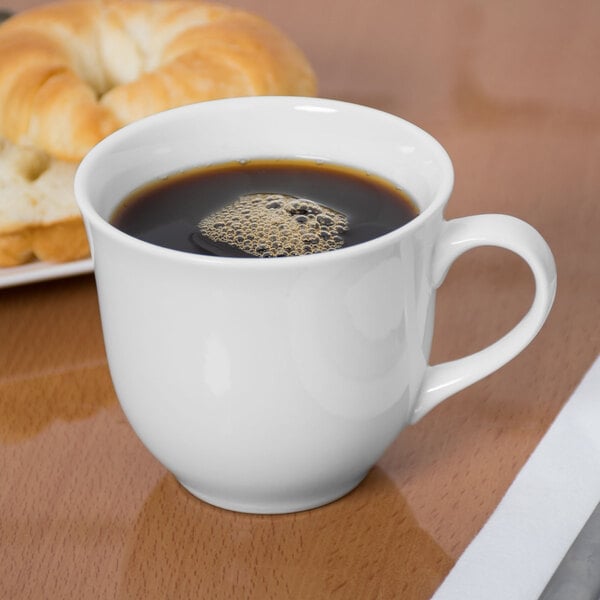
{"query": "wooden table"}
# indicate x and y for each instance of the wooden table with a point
(512, 91)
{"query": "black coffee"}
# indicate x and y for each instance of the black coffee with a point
(264, 208)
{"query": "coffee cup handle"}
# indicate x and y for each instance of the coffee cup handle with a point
(458, 236)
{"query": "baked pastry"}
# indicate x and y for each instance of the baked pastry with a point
(73, 72)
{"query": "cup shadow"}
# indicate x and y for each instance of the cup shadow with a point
(366, 545)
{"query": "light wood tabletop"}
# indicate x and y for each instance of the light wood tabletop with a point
(511, 89)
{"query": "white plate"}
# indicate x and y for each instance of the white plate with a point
(43, 271)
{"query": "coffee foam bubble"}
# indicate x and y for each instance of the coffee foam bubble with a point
(269, 225)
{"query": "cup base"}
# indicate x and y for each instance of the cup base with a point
(274, 507)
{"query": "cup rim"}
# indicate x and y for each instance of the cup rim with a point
(113, 140)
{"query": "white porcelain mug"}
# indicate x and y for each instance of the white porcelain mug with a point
(274, 385)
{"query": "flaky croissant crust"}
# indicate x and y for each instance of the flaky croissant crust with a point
(73, 72)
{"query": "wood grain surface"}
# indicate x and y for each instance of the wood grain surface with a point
(512, 91)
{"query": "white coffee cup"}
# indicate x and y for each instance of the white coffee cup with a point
(274, 385)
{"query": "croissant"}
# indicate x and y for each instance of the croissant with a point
(73, 72)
